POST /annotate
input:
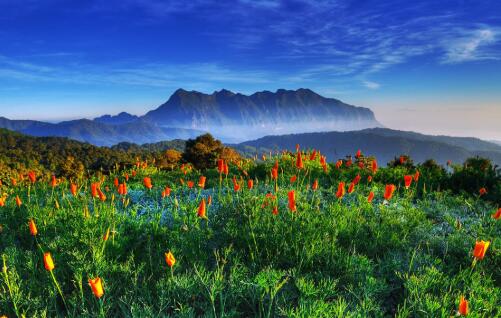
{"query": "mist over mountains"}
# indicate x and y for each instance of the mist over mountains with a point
(231, 117)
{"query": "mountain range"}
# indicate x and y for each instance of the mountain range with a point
(231, 117)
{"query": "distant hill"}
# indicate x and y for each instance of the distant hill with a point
(382, 143)
(98, 133)
(120, 119)
(237, 117)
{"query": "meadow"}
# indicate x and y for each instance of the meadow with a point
(288, 235)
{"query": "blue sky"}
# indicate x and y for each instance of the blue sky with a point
(429, 66)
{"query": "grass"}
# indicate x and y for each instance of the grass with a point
(410, 256)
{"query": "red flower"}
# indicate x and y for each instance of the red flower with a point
(292, 200)
(359, 154)
(463, 306)
(220, 166)
(480, 249)
(73, 189)
(116, 183)
(147, 183)
(339, 163)
(388, 192)
(340, 190)
(369, 179)
(313, 155)
(357, 178)
(416, 176)
(202, 210)
(32, 176)
(250, 184)
(351, 188)
(293, 178)
(315, 185)
(190, 184)
(374, 166)
(408, 181)
(402, 160)
(201, 182)
(482, 191)
(299, 161)
(53, 181)
(370, 197)
(497, 214)
(274, 173)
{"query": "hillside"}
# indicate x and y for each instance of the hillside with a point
(382, 143)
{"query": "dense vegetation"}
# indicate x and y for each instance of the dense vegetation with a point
(274, 237)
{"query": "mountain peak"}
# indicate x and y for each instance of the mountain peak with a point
(119, 119)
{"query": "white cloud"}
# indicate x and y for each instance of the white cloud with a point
(469, 47)
(371, 85)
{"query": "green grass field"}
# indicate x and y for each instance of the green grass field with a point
(409, 256)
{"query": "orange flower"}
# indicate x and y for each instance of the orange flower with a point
(250, 184)
(209, 200)
(220, 166)
(147, 183)
(226, 169)
(122, 189)
(134, 173)
(351, 188)
(2, 201)
(48, 261)
(236, 186)
(101, 195)
(482, 191)
(190, 184)
(480, 249)
(357, 178)
(497, 214)
(53, 182)
(275, 210)
(73, 189)
(202, 210)
(32, 176)
(116, 183)
(18, 201)
(93, 189)
(13, 182)
(292, 200)
(374, 166)
(96, 285)
(369, 179)
(170, 259)
(463, 306)
(274, 173)
(293, 178)
(106, 235)
(402, 160)
(201, 182)
(33, 227)
(370, 197)
(348, 163)
(388, 192)
(339, 163)
(166, 192)
(315, 185)
(340, 190)
(313, 155)
(408, 181)
(127, 177)
(299, 161)
(416, 176)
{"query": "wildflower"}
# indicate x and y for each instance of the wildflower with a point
(106, 235)
(292, 200)
(53, 182)
(359, 154)
(340, 190)
(33, 227)
(73, 189)
(13, 182)
(349, 163)
(482, 191)
(122, 189)
(388, 192)
(299, 161)
(274, 173)
(202, 210)
(408, 181)
(201, 182)
(416, 176)
(351, 188)
(18, 201)
(101, 195)
(480, 249)
(32, 176)
(369, 179)
(313, 155)
(225, 170)
(357, 178)
(293, 179)
(402, 160)
(250, 184)
(370, 197)
(497, 214)
(170, 259)
(190, 184)
(209, 200)
(96, 285)
(147, 183)
(220, 166)
(463, 306)
(93, 189)
(48, 261)
(315, 185)
(166, 192)
(339, 163)
(275, 210)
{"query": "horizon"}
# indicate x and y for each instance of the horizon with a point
(430, 67)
